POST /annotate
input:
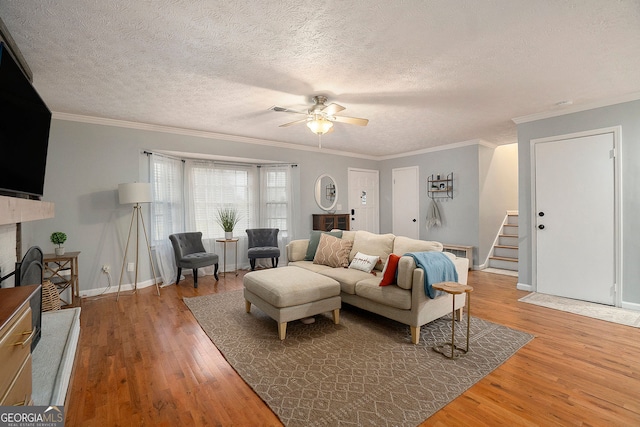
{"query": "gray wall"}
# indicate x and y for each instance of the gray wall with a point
(626, 115)
(86, 162)
(460, 223)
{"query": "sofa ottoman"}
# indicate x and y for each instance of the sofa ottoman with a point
(291, 293)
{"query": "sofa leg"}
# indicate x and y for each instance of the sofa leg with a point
(336, 316)
(247, 306)
(195, 277)
(282, 330)
(415, 334)
(459, 314)
(179, 273)
(215, 271)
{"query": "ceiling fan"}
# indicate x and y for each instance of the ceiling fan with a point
(320, 117)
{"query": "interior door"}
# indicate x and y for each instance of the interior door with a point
(575, 218)
(406, 196)
(364, 200)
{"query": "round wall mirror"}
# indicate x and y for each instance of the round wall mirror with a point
(326, 192)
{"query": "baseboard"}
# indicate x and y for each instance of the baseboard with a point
(630, 306)
(524, 287)
(113, 289)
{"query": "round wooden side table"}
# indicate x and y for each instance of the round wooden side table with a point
(449, 349)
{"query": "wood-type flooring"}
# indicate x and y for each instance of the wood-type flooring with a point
(145, 361)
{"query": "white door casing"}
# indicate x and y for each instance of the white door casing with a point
(575, 215)
(364, 200)
(405, 193)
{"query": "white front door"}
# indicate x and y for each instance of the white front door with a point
(575, 217)
(405, 205)
(363, 200)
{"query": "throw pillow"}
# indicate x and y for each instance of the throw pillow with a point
(390, 269)
(314, 239)
(364, 262)
(332, 251)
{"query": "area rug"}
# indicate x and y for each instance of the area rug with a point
(364, 371)
(585, 308)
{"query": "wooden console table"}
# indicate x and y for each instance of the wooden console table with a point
(56, 268)
(327, 222)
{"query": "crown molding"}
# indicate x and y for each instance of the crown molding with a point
(441, 148)
(202, 134)
(264, 142)
(577, 108)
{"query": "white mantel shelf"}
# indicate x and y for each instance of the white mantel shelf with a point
(14, 210)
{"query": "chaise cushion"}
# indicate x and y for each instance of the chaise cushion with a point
(373, 244)
(347, 278)
(290, 286)
(391, 295)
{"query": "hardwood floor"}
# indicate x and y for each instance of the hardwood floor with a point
(145, 361)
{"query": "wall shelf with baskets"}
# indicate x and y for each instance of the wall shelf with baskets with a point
(440, 186)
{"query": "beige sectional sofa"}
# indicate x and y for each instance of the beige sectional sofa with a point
(404, 301)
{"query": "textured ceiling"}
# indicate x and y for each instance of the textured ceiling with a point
(425, 73)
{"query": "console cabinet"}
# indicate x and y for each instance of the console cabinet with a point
(327, 222)
(16, 333)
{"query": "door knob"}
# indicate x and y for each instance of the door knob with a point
(541, 226)
(541, 213)
(414, 220)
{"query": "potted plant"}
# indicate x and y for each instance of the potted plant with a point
(58, 238)
(228, 218)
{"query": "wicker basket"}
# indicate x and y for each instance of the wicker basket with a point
(50, 297)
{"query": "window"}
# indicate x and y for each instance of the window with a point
(167, 212)
(275, 194)
(214, 186)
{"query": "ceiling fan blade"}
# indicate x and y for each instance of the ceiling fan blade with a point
(286, 110)
(293, 123)
(332, 109)
(351, 120)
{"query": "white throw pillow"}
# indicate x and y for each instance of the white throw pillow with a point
(364, 262)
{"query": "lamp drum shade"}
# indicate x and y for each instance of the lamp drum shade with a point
(135, 192)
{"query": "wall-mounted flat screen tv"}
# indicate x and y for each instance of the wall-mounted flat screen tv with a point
(24, 132)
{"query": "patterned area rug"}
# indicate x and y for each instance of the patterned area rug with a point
(364, 371)
(585, 308)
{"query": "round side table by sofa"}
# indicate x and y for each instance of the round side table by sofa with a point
(449, 349)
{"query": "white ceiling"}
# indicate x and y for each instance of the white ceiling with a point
(425, 73)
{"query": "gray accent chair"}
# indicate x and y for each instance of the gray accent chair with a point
(190, 253)
(263, 243)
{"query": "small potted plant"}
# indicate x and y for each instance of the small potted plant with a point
(228, 218)
(58, 238)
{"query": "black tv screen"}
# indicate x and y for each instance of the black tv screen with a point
(24, 132)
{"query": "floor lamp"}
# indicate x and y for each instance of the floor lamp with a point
(136, 193)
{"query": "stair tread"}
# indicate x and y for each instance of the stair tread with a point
(505, 247)
(503, 258)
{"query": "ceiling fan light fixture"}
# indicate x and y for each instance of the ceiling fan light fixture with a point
(319, 125)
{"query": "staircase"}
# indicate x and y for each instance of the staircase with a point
(505, 251)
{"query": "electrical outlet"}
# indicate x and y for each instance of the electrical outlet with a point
(131, 266)
(106, 268)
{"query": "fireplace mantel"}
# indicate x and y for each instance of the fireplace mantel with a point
(14, 210)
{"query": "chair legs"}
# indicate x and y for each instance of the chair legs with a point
(252, 261)
(195, 277)
(215, 271)
(274, 262)
(179, 273)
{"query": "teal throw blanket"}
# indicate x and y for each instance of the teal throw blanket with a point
(437, 268)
